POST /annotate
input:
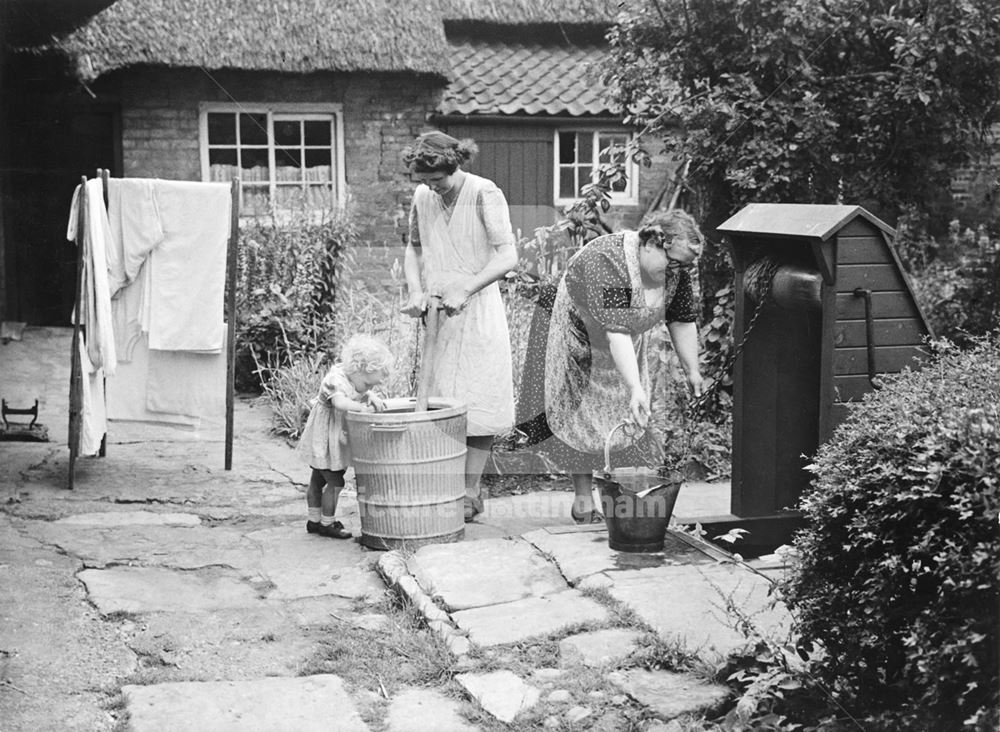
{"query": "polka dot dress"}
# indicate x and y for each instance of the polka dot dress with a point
(602, 287)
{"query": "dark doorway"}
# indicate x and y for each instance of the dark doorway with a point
(53, 145)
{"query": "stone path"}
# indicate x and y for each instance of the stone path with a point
(167, 593)
(497, 595)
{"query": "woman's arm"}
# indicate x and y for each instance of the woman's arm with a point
(412, 265)
(684, 336)
(504, 259)
(494, 214)
(623, 354)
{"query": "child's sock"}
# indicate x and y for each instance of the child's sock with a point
(314, 513)
(326, 520)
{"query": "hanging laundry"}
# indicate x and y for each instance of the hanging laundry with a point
(187, 274)
(94, 420)
(169, 387)
(95, 306)
(136, 230)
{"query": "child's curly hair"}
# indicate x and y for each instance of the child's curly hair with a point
(366, 354)
(435, 151)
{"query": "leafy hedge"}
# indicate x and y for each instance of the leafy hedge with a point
(898, 576)
(289, 276)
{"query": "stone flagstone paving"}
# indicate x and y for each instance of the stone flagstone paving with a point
(303, 704)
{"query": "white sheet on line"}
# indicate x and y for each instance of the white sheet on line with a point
(187, 271)
(183, 382)
(136, 229)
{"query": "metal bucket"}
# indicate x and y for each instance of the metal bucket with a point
(637, 504)
(410, 469)
(637, 522)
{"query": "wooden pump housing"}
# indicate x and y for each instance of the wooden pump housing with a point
(840, 312)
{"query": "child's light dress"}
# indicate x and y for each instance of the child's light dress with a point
(323, 444)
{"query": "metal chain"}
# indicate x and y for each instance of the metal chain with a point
(698, 403)
(416, 356)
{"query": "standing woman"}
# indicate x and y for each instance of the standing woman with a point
(461, 243)
(615, 290)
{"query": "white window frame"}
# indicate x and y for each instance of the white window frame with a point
(333, 112)
(628, 197)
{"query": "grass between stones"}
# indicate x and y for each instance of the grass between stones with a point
(378, 663)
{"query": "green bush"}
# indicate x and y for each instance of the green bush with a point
(286, 293)
(291, 379)
(898, 573)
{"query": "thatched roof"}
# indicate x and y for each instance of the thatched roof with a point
(299, 36)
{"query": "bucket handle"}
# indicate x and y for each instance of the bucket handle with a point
(394, 427)
(624, 426)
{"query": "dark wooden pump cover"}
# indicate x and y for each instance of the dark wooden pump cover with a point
(840, 312)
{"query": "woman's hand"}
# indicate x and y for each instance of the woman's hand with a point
(695, 383)
(454, 297)
(415, 306)
(639, 406)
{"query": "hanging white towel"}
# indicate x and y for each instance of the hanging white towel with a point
(136, 229)
(127, 391)
(96, 297)
(94, 419)
(183, 382)
(187, 271)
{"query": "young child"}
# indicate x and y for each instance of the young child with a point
(347, 387)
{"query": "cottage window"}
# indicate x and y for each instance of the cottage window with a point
(578, 155)
(288, 159)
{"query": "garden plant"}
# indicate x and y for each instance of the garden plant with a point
(897, 580)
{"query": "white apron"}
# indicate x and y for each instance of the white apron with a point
(472, 357)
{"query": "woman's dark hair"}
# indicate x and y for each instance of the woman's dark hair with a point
(435, 151)
(672, 223)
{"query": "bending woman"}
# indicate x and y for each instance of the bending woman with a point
(615, 290)
(460, 244)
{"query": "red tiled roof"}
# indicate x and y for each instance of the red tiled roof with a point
(507, 78)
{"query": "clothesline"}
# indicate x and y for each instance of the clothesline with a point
(148, 278)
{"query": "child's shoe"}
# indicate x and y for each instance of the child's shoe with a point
(473, 507)
(335, 530)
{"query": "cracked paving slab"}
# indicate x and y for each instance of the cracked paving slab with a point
(304, 565)
(419, 710)
(303, 704)
(268, 639)
(52, 640)
(511, 622)
(157, 589)
(582, 554)
(181, 547)
(691, 604)
(453, 573)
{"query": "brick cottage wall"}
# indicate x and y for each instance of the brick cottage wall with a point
(382, 114)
